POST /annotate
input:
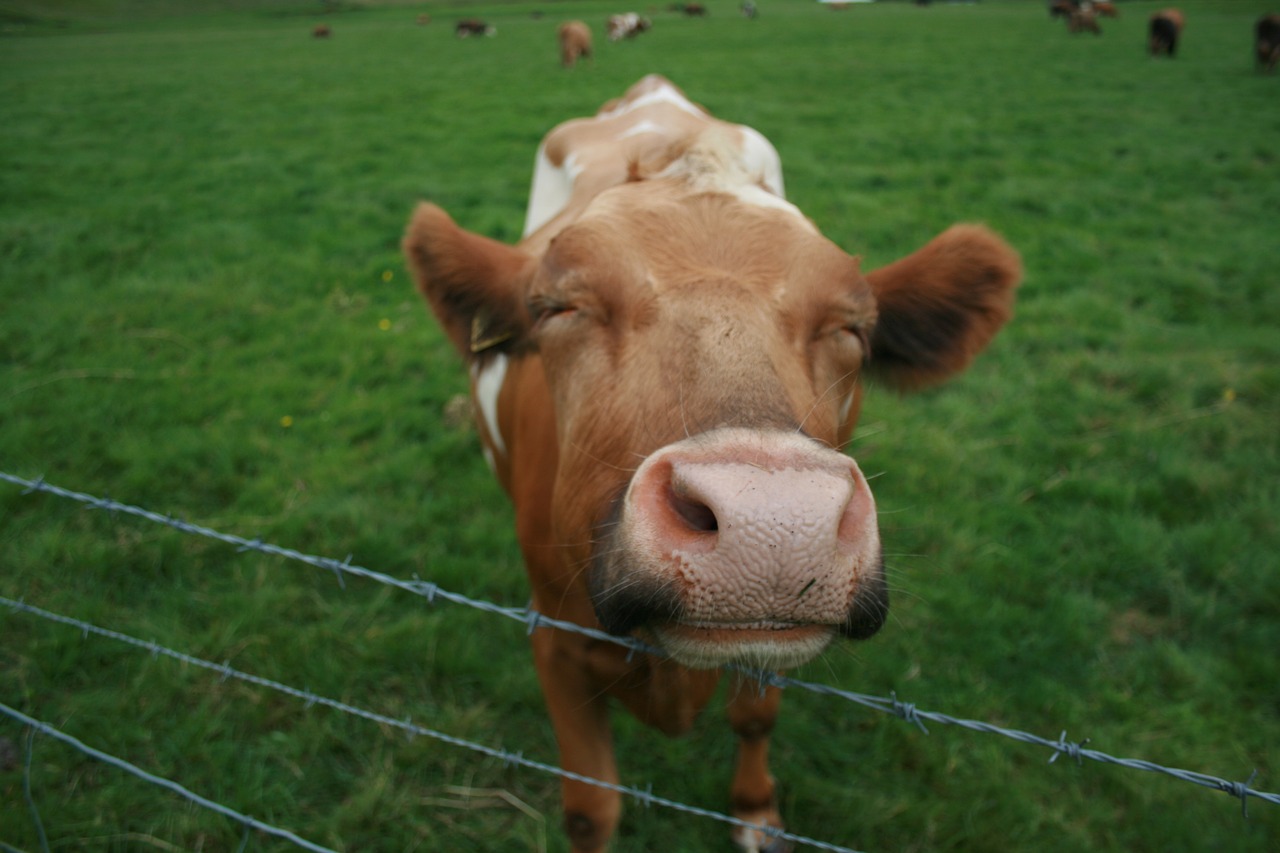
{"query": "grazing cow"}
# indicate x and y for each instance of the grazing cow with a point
(1062, 8)
(321, 31)
(695, 10)
(625, 26)
(468, 27)
(1106, 10)
(1165, 28)
(665, 369)
(1083, 19)
(1267, 41)
(575, 42)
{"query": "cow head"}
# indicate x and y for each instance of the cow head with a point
(703, 356)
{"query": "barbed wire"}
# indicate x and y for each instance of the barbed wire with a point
(168, 784)
(226, 671)
(534, 620)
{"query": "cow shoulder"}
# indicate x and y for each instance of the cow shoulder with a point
(940, 306)
(475, 285)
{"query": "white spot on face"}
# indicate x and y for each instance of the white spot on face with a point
(486, 384)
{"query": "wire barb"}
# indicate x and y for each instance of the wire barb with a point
(1072, 750)
(906, 711)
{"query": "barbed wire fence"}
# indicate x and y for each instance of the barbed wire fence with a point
(532, 621)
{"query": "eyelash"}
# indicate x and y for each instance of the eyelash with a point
(542, 309)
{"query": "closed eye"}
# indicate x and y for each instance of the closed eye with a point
(543, 309)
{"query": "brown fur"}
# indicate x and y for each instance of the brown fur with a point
(655, 308)
(575, 42)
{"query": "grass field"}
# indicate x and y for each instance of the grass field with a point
(203, 311)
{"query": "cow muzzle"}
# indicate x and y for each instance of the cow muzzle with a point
(741, 546)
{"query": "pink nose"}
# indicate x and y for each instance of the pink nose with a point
(754, 528)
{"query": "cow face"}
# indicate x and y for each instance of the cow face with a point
(702, 355)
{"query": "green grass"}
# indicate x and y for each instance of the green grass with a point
(199, 226)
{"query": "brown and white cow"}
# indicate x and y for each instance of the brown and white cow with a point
(1083, 20)
(625, 26)
(665, 368)
(575, 42)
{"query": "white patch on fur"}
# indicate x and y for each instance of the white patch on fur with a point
(642, 126)
(550, 192)
(845, 407)
(718, 163)
(486, 384)
(759, 156)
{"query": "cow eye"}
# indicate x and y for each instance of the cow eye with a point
(542, 309)
(859, 334)
(854, 335)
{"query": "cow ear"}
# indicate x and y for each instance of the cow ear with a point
(939, 307)
(474, 285)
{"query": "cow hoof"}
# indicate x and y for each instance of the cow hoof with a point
(755, 841)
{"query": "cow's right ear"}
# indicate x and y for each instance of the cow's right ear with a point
(474, 285)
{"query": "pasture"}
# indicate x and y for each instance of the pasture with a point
(204, 312)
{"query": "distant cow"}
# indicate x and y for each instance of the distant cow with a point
(749, 10)
(1082, 20)
(1106, 10)
(575, 42)
(321, 31)
(472, 27)
(1165, 29)
(1267, 43)
(625, 26)
(665, 369)
(1062, 8)
(423, 19)
(695, 10)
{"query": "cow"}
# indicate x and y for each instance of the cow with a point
(695, 10)
(1267, 41)
(1106, 9)
(1164, 29)
(1062, 8)
(575, 42)
(664, 369)
(749, 10)
(1083, 19)
(468, 27)
(625, 26)
(321, 31)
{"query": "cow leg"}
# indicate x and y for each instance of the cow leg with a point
(580, 716)
(658, 693)
(752, 714)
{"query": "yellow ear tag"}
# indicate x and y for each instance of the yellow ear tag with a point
(483, 338)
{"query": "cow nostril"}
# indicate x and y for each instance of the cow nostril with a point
(696, 514)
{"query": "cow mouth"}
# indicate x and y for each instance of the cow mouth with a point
(757, 645)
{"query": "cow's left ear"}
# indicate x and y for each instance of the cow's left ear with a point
(475, 285)
(940, 306)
